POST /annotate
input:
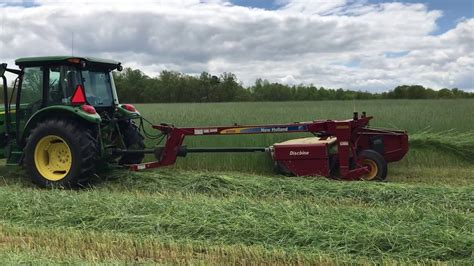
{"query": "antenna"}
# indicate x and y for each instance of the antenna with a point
(72, 43)
(2, 33)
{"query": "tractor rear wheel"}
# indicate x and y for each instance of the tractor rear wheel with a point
(60, 153)
(376, 164)
(133, 141)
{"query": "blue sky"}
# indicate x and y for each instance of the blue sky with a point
(453, 10)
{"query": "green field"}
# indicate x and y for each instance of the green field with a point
(234, 209)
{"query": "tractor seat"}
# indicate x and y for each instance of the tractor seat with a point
(55, 95)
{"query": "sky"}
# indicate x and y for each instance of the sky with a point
(369, 45)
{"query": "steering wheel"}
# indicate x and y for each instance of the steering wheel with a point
(55, 96)
(92, 99)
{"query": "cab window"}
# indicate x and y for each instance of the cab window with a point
(98, 88)
(32, 86)
(63, 80)
(30, 95)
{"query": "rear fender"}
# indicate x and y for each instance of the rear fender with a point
(124, 113)
(71, 112)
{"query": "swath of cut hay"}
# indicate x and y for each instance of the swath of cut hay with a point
(450, 141)
(357, 220)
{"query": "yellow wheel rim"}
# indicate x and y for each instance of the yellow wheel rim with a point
(53, 158)
(373, 169)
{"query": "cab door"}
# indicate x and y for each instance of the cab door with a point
(30, 96)
(41, 87)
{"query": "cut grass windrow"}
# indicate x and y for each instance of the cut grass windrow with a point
(46, 246)
(458, 144)
(291, 188)
(365, 219)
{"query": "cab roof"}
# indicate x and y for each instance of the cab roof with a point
(44, 60)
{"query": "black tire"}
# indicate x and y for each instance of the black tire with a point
(83, 146)
(134, 141)
(375, 159)
(280, 169)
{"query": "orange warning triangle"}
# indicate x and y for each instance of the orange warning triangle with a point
(79, 96)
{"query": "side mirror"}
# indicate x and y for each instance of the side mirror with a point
(3, 67)
(119, 67)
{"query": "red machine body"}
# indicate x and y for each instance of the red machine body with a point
(303, 159)
(334, 153)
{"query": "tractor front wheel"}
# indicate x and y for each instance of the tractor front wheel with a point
(60, 153)
(376, 164)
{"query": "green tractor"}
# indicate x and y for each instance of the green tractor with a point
(62, 119)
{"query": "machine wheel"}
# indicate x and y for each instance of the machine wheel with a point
(133, 140)
(60, 153)
(376, 163)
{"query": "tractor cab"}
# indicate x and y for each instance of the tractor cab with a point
(54, 80)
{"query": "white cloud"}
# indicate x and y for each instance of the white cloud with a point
(313, 7)
(336, 43)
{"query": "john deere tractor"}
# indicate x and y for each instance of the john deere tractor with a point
(61, 119)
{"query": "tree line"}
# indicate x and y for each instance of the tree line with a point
(170, 86)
